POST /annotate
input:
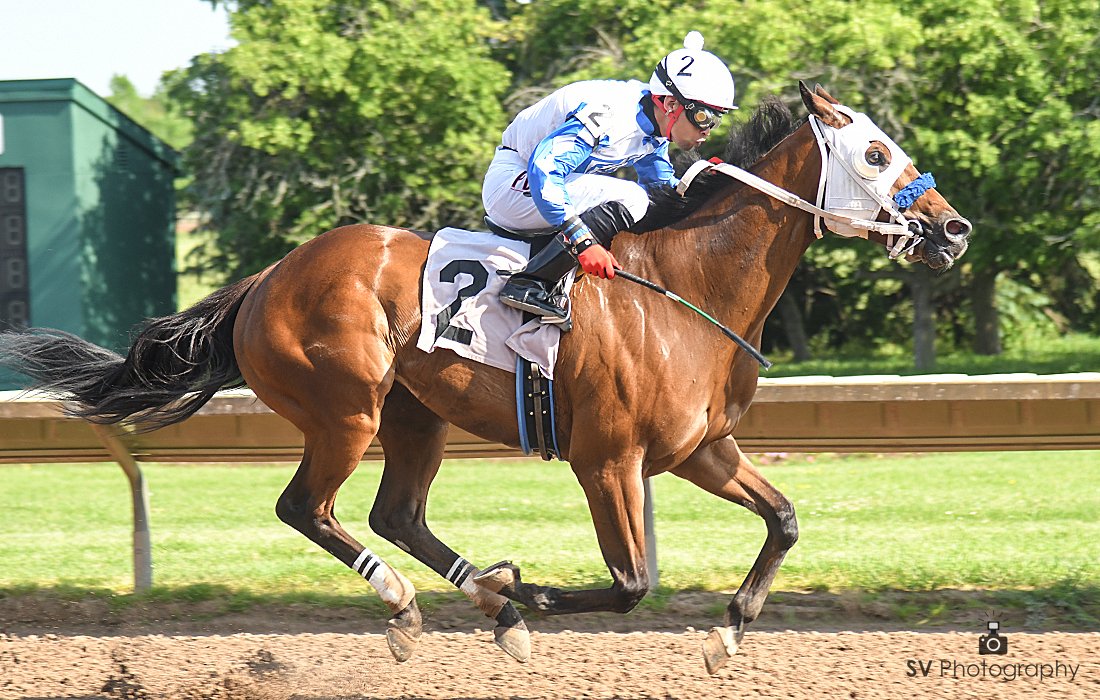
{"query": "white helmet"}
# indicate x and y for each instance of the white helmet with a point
(696, 78)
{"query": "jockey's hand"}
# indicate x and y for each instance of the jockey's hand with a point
(597, 260)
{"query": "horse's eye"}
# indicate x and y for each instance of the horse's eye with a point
(876, 158)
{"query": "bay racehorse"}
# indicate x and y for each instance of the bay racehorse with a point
(327, 338)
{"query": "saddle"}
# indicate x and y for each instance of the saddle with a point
(519, 235)
(461, 313)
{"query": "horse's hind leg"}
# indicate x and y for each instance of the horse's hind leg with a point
(722, 469)
(307, 504)
(414, 439)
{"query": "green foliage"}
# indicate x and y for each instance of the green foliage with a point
(602, 40)
(156, 113)
(193, 281)
(333, 113)
(1024, 313)
(1014, 133)
(998, 99)
(300, 127)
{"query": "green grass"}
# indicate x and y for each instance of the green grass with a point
(909, 523)
(1071, 353)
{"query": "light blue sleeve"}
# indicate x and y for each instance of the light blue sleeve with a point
(655, 169)
(556, 156)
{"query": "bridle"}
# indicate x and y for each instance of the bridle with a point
(835, 184)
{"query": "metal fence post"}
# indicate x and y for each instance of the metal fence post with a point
(143, 550)
(650, 537)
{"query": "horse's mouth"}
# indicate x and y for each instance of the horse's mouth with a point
(943, 242)
(936, 256)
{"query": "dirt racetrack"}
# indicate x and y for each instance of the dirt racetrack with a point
(67, 651)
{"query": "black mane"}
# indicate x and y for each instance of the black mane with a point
(749, 142)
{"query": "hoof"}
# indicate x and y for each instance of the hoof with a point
(515, 641)
(498, 577)
(403, 632)
(511, 634)
(721, 643)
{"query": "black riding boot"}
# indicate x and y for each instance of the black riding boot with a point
(535, 289)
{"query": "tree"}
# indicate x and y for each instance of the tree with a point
(1016, 134)
(328, 113)
(154, 113)
(998, 98)
(296, 129)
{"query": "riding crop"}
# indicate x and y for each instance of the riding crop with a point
(745, 345)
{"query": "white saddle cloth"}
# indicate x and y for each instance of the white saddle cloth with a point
(461, 311)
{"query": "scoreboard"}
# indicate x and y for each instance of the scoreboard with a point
(14, 282)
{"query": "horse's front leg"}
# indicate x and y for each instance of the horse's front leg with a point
(722, 469)
(616, 498)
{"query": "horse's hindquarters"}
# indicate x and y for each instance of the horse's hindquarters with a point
(316, 337)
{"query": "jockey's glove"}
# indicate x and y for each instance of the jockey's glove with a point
(597, 260)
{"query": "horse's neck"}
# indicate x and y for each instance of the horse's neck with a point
(738, 253)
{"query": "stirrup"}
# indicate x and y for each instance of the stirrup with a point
(529, 295)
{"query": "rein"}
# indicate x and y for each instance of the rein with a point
(777, 192)
(904, 229)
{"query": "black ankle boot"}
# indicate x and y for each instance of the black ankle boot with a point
(535, 288)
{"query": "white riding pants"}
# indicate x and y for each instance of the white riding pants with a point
(507, 195)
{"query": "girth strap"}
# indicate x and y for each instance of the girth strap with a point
(535, 410)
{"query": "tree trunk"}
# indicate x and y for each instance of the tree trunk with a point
(924, 319)
(987, 322)
(793, 326)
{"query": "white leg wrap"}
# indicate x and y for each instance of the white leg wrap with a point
(394, 589)
(461, 575)
(460, 571)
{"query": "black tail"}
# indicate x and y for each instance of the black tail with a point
(175, 364)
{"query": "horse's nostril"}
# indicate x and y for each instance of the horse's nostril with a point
(957, 228)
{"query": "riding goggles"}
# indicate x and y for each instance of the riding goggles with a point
(702, 116)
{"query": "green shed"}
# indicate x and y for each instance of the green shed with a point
(87, 214)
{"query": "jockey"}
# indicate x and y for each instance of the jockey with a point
(554, 172)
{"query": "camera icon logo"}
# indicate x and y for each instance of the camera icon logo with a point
(994, 642)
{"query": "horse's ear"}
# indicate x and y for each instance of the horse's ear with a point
(820, 92)
(822, 107)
